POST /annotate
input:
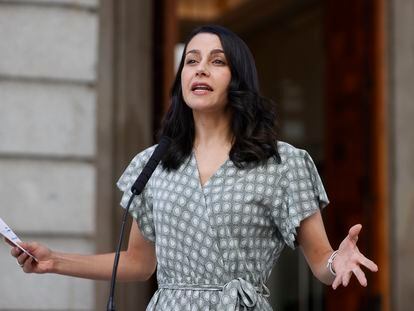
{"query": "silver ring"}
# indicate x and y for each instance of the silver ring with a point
(21, 266)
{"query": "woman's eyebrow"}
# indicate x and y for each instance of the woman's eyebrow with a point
(193, 52)
(214, 51)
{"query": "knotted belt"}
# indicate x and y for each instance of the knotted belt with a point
(237, 295)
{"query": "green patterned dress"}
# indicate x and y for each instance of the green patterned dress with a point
(216, 244)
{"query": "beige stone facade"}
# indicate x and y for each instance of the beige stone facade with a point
(48, 78)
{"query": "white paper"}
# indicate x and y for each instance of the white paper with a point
(12, 237)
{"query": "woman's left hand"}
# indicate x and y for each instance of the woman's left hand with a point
(349, 260)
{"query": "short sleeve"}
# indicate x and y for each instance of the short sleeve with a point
(141, 206)
(300, 195)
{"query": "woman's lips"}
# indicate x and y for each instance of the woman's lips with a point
(201, 88)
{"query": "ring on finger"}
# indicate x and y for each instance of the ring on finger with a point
(21, 266)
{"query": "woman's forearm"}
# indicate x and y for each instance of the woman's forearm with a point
(99, 267)
(137, 263)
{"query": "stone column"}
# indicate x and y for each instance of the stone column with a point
(401, 111)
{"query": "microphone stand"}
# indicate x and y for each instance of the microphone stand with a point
(111, 302)
(136, 189)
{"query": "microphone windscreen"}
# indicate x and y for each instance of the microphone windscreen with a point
(151, 165)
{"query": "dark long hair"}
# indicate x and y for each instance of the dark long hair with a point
(253, 122)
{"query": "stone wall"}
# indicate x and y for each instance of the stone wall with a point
(48, 78)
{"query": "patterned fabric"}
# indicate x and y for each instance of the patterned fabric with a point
(216, 244)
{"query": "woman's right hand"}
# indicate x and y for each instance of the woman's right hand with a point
(28, 264)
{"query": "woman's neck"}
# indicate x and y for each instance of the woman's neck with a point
(212, 129)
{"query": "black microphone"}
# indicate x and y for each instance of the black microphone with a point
(136, 189)
(152, 163)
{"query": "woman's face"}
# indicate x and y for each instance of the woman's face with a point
(206, 75)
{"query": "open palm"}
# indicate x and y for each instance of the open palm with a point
(349, 260)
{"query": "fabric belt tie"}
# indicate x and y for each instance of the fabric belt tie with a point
(238, 294)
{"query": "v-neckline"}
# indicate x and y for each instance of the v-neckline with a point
(215, 174)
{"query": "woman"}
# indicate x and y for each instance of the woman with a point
(227, 198)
